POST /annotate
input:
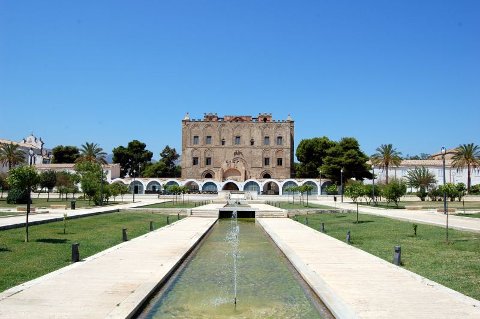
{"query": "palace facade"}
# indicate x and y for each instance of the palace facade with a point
(237, 147)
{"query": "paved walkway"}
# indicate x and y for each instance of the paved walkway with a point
(355, 284)
(430, 217)
(110, 284)
(57, 214)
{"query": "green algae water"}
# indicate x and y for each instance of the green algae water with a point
(204, 288)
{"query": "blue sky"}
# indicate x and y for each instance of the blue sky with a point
(401, 72)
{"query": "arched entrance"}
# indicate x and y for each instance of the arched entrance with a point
(252, 186)
(192, 187)
(230, 186)
(209, 187)
(314, 191)
(271, 188)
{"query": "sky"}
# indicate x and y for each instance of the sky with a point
(402, 72)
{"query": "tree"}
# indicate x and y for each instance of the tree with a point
(91, 177)
(394, 191)
(11, 155)
(24, 178)
(158, 169)
(3, 183)
(92, 152)
(422, 179)
(169, 156)
(306, 188)
(66, 183)
(355, 190)
(461, 189)
(345, 154)
(311, 153)
(385, 157)
(467, 155)
(65, 154)
(48, 180)
(133, 157)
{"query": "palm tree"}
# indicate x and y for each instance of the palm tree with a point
(11, 155)
(92, 152)
(467, 155)
(422, 178)
(386, 155)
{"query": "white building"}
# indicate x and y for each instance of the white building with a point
(40, 154)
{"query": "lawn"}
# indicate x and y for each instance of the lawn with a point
(430, 204)
(477, 215)
(178, 204)
(297, 205)
(49, 249)
(455, 265)
(42, 202)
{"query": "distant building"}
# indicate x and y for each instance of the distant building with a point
(41, 155)
(111, 171)
(237, 148)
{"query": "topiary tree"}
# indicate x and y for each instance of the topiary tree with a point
(24, 178)
(394, 190)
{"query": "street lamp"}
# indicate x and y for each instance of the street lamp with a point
(320, 171)
(133, 185)
(341, 182)
(445, 210)
(373, 185)
(30, 155)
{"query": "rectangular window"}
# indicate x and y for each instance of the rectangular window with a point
(252, 142)
(237, 140)
(279, 161)
(266, 161)
(195, 161)
(279, 140)
(223, 141)
(208, 161)
(195, 140)
(266, 140)
(208, 140)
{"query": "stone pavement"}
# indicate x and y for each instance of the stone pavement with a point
(111, 284)
(57, 214)
(355, 284)
(430, 217)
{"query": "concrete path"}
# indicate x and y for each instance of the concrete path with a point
(430, 217)
(57, 214)
(355, 284)
(111, 284)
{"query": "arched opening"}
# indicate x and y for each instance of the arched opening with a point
(266, 175)
(169, 184)
(271, 188)
(230, 186)
(208, 175)
(209, 188)
(252, 186)
(232, 173)
(136, 188)
(286, 186)
(192, 187)
(314, 191)
(153, 187)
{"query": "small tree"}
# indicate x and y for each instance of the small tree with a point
(371, 192)
(307, 188)
(461, 190)
(48, 180)
(332, 189)
(394, 191)
(450, 190)
(24, 178)
(3, 184)
(422, 179)
(354, 190)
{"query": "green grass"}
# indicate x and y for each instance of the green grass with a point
(298, 205)
(429, 204)
(455, 265)
(42, 202)
(49, 249)
(178, 204)
(477, 215)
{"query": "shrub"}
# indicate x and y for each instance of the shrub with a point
(475, 189)
(394, 190)
(332, 190)
(354, 190)
(17, 196)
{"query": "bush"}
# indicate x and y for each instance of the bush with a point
(332, 190)
(354, 190)
(475, 189)
(434, 194)
(17, 196)
(394, 190)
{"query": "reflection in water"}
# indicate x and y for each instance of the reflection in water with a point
(266, 287)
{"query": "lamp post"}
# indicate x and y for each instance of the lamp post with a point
(373, 184)
(341, 182)
(320, 188)
(30, 155)
(133, 186)
(445, 210)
